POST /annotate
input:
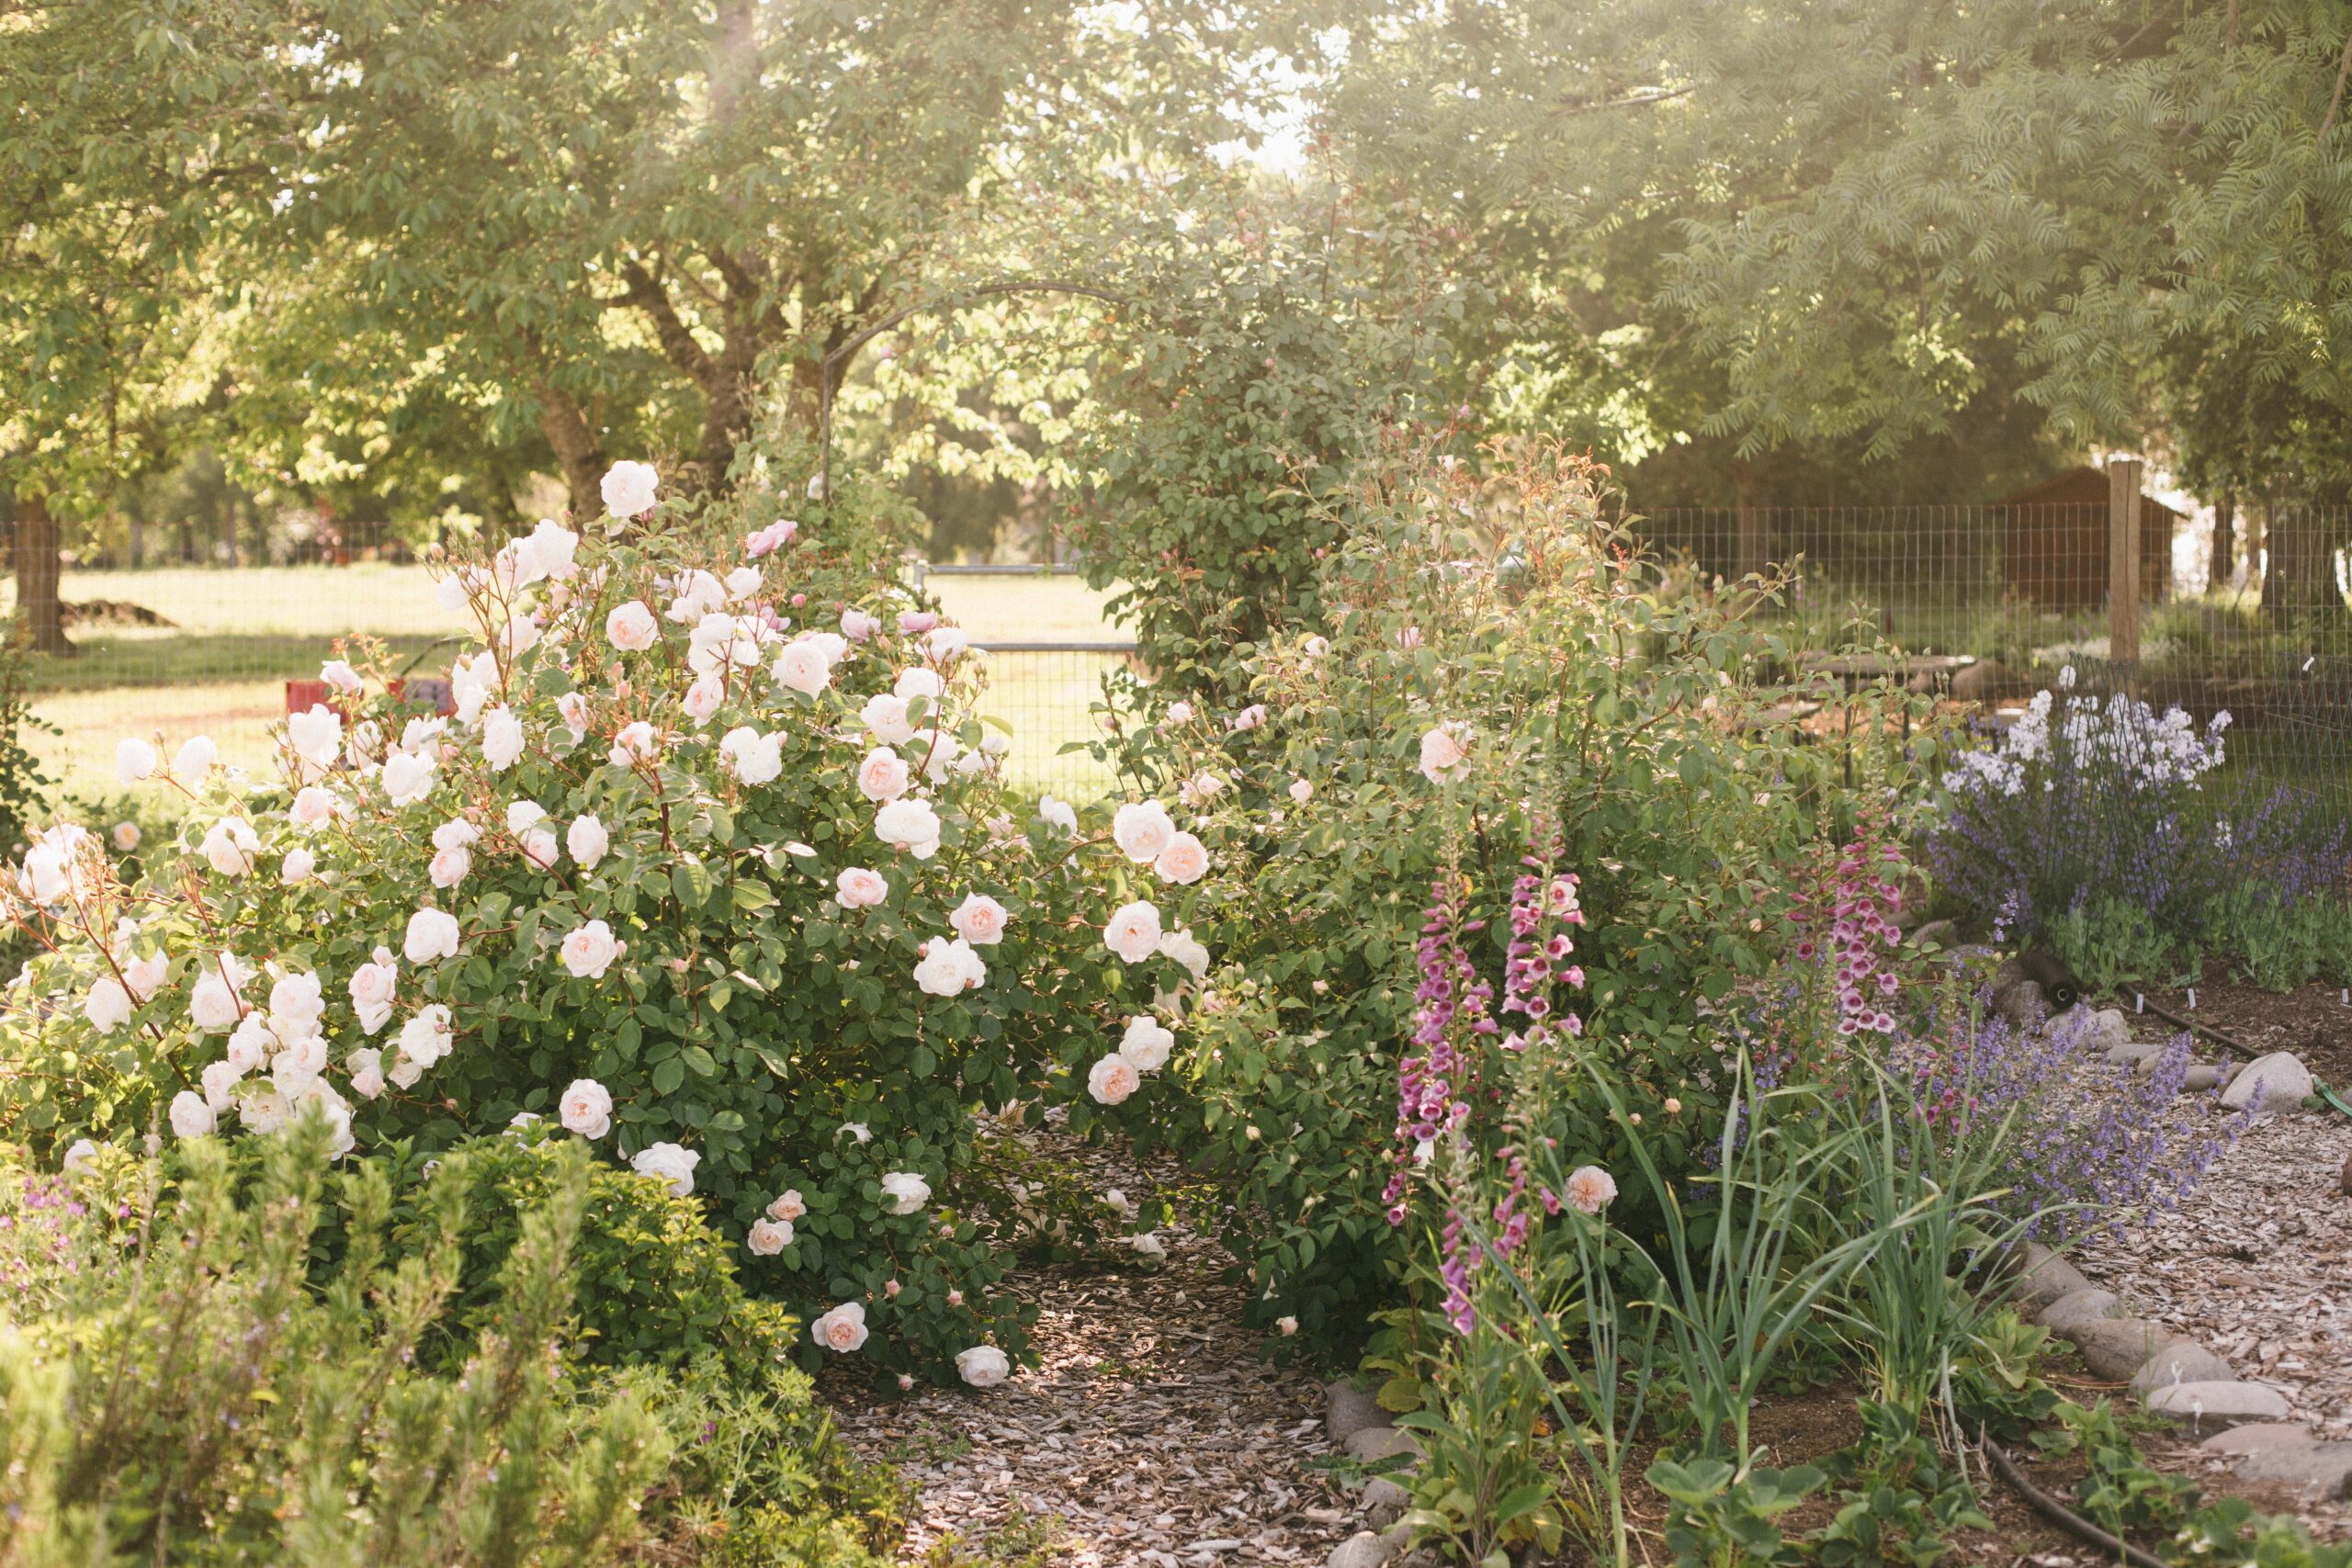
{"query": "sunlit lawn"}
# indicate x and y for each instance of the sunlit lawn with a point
(238, 636)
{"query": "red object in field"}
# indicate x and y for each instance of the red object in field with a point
(301, 696)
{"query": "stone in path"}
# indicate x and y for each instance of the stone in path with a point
(2205, 1406)
(2281, 1079)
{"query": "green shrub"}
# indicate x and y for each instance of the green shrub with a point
(1602, 719)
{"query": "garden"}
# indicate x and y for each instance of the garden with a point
(581, 1032)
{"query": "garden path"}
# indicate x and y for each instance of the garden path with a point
(1150, 1433)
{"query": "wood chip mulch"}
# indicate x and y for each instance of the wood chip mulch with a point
(1151, 1433)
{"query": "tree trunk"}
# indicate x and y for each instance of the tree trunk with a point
(2225, 541)
(577, 446)
(38, 570)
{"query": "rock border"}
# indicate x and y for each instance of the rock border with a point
(2177, 1378)
(1357, 1424)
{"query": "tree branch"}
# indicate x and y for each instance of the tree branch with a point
(678, 345)
(2343, 71)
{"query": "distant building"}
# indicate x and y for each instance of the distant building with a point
(2053, 542)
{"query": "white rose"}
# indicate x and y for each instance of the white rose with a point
(298, 866)
(1301, 791)
(917, 681)
(1185, 860)
(195, 759)
(501, 739)
(574, 706)
(788, 1205)
(700, 595)
(366, 1069)
(250, 1044)
(432, 934)
(703, 699)
(886, 717)
(213, 1004)
(1148, 1244)
(858, 1131)
(768, 1237)
(983, 1365)
(586, 1109)
(338, 673)
(669, 1165)
(522, 816)
(449, 867)
(549, 552)
(313, 807)
(754, 758)
(858, 888)
(840, 1330)
(263, 1110)
(909, 825)
(636, 742)
(883, 775)
(191, 1117)
(473, 682)
(980, 920)
(1111, 1079)
(949, 968)
(220, 1083)
(133, 760)
(297, 1003)
(587, 840)
(1133, 932)
(539, 847)
(1146, 1044)
(631, 627)
(1058, 814)
(803, 667)
(1445, 754)
(1141, 829)
(229, 846)
(590, 950)
(316, 736)
(408, 777)
(907, 1192)
(629, 487)
(144, 977)
(1186, 950)
(372, 990)
(108, 1006)
(425, 1038)
(79, 1155)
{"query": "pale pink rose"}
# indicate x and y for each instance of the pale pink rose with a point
(314, 805)
(840, 1330)
(703, 698)
(1590, 1188)
(590, 950)
(108, 1006)
(191, 1117)
(338, 673)
(768, 1237)
(574, 706)
(980, 920)
(883, 775)
(1185, 860)
(1250, 717)
(1142, 830)
(803, 667)
(450, 865)
(1111, 1079)
(668, 1164)
(145, 975)
(770, 539)
(1180, 712)
(914, 623)
(631, 627)
(635, 743)
(1301, 791)
(1445, 754)
(858, 888)
(298, 866)
(859, 627)
(501, 739)
(786, 1206)
(910, 826)
(983, 1365)
(630, 488)
(432, 934)
(885, 715)
(366, 1069)
(918, 682)
(127, 835)
(587, 840)
(586, 1109)
(539, 847)
(1133, 932)
(372, 990)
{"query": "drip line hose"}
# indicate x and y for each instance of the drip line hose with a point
(2057, 1513)
(2236, 1046)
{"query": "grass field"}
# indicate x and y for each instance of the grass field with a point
(237, 636)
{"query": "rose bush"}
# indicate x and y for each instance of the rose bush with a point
(711, 866)
(1496, 667)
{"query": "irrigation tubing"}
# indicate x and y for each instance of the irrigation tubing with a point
(2057, 1513)
(2235, 1046)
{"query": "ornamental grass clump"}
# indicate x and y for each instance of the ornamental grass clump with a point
(712, 866)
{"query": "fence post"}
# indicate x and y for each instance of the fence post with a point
(2124, 567)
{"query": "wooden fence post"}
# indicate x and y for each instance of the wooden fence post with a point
(2124, 567)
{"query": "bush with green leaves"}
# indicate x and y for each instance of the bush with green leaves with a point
(713, 866)
(1494, 668)
(183, 1380)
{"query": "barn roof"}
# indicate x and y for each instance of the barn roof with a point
(2082, 483)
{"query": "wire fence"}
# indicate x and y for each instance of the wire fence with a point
(1982, 604)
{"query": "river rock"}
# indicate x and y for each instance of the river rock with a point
(2206, 1405)
(2117, 1347)
(1385, 1502)
(1376, 1443)
(2022, 1003)
(1347, 1410)
(2080, 1306)
(2257, 1436)
(2200, 1076)
(2182, 1361)
(1936, 933)
(1362, 1550)
(2344, 1177)
(1976, 682)
(2109, 1033)
(2323, 1470)
(2281, 1079)
(2048, 1279)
